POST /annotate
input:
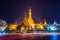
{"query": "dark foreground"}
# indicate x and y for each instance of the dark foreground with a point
(30, 37)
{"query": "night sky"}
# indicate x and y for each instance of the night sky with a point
(13, 10)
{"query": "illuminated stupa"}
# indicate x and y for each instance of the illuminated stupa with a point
(30, 19)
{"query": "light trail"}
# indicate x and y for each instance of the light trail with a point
(1, 34)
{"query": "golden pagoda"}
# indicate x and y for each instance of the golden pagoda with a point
(30, 19)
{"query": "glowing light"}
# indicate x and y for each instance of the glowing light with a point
(52, 27)
(30, 19)
(22, 29)
(55, 23)
(45, 23)
(13, 26)
(32, 24)
(41, 27)
(2, 34)
(54, 37)
(2, 29)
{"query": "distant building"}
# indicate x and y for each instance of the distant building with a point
(3, 25)
(55, 23)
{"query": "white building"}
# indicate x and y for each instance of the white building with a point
(3, 25)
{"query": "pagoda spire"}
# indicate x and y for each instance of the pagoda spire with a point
(30, 19)
(30, 12)
(45, 21)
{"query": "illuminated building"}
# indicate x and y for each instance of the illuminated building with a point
(21, 28)
(39, 26)
(3, 25)
(55, 23)
(13, 26)
(28, 22)
(52, 27)
(2, 29)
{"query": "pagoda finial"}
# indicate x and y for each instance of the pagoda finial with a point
(55, 22)
(30, 12)
(45, 21)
